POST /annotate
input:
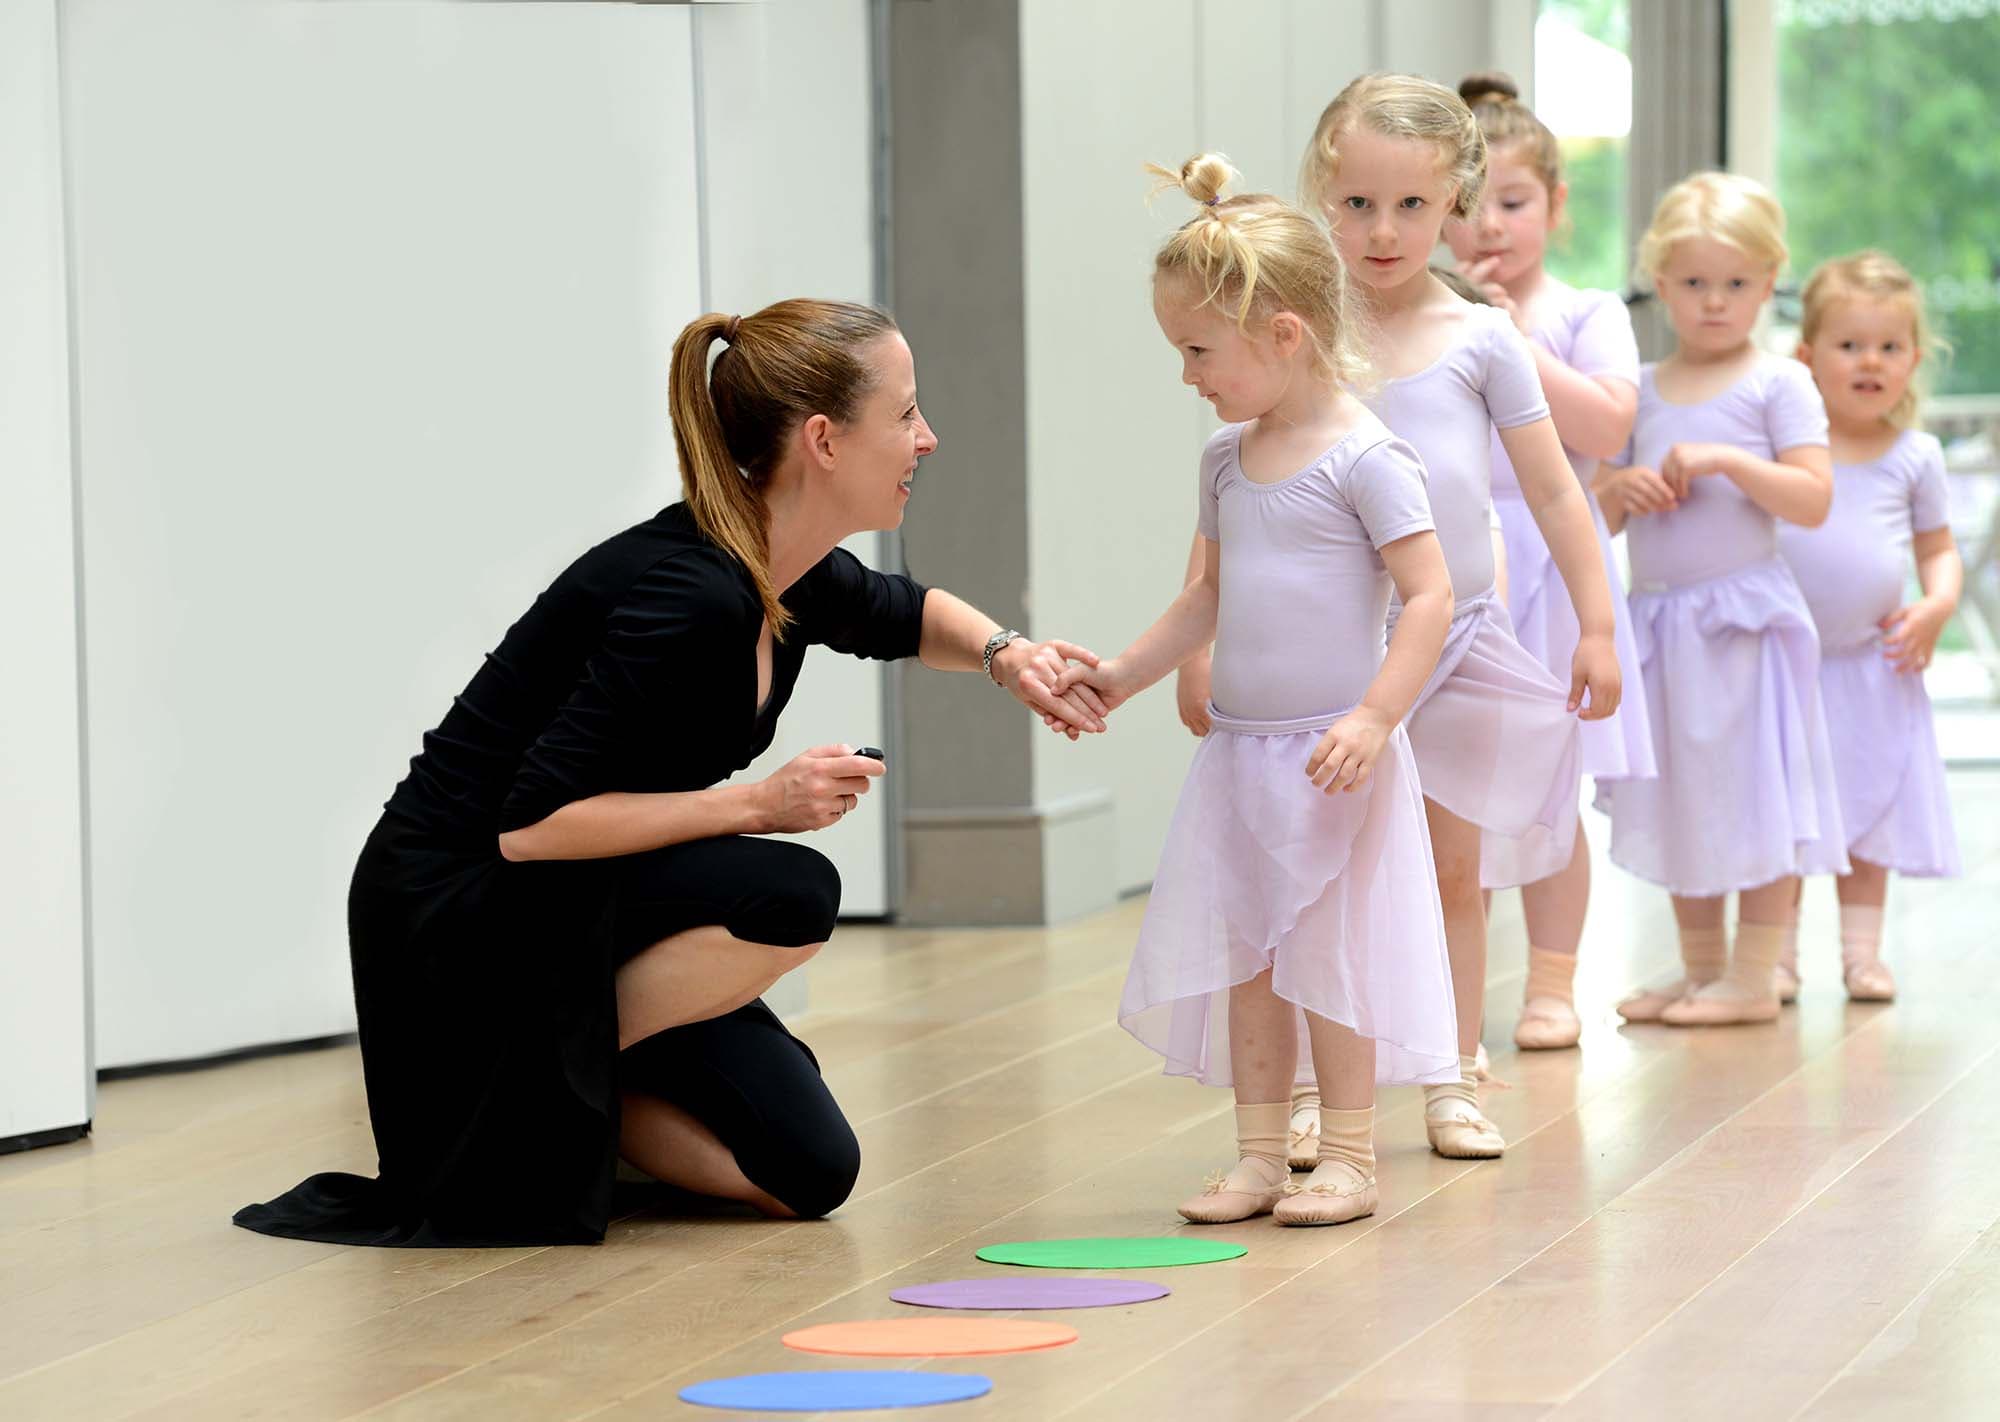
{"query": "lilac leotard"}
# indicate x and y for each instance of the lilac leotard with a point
(1304, 592)
(1448, 410)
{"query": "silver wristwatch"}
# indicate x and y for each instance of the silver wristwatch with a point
(994, 644)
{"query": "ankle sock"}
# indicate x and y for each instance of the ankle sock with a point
(1550, 975)
(1704, 954)
(1261, 1132)
(1346, 1142)
(1860, 934)
(1454, 1100)
(1751, 966)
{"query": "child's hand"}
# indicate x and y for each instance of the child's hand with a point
(1480, 274)
(1191, 691)
(1347, 752)
(1686, 463)
(1911, 633)
(1105, 684)
(1594, 669)
(1031, 672)
(1640, 490)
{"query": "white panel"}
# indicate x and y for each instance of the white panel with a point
(44, 1047)
(1242, 112)
(1113, 436)
(1325, 47)
(787, 211)
(375, 309)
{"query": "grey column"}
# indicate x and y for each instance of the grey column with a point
(972, 838)
(1678, 83)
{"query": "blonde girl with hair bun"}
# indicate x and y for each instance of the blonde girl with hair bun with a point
(1495, 734)
(1728, 443)
(1296, 877)
(1865, 340)
(1588, 360)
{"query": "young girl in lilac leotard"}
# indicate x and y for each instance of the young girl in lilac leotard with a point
(1495, 734)
(1728, 442)
(1588, 361)
(1863, 336)
(1296, 878)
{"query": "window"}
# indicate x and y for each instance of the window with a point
(1885, 119)
(1583, 92)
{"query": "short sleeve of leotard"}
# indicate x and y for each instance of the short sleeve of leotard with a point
(1794, 413)
(1388, 490)
(1215, 456)
(1604, 346)
(1512, 386)
(844, 604)
(683, 616)
(1930, 494)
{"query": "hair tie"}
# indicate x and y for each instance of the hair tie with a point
(1214, 200)
(730, 328)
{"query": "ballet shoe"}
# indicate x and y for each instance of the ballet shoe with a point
(1786, 979)
(1225, 1199)
(1334, 1193)
(1721, 1004)
(1547, 1024)
(1458, 1131)
(1869, 980)
(1302, 1145)
(1648, 1004)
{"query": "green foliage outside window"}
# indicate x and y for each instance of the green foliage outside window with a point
(1887, 138)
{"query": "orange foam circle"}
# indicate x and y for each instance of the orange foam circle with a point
(929, 1337)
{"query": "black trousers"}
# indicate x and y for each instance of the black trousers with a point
(743, 1075)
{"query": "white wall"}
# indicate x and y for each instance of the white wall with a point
(44, 1048)
(1114, 437)
(375, 304)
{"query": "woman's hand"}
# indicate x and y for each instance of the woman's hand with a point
(1910, 633)
(1686, 463)
(1191, 692)
(1638, 490)
(1594, 670)
(813, 790)
(1030, 672)
(1347, 753)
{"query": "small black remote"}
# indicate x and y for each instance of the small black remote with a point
(873, 754)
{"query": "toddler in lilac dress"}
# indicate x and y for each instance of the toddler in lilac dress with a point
(1296, 882)
(1745, 799)
(1862, 336)
(1391, 159)
(1495, 739)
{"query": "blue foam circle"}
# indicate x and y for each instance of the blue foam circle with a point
(835, 1391)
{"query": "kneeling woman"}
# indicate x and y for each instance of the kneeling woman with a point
(559, 930)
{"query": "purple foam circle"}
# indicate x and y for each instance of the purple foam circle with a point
(1009, 1291)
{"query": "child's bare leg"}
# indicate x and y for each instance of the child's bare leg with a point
(1704, 956)
(1554, 909)
(1264, 1055)
(1342, 1185)
(1863, 895)
(1748, 990)
(1452, 1117)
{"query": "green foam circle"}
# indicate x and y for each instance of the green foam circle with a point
(1149, 1252)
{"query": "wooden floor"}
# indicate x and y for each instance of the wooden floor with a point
(1800, 1220)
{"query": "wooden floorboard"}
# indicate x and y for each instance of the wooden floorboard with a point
(1800, 1220)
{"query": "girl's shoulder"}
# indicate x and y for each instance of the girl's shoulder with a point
(1373, 452)
(1915, 456)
